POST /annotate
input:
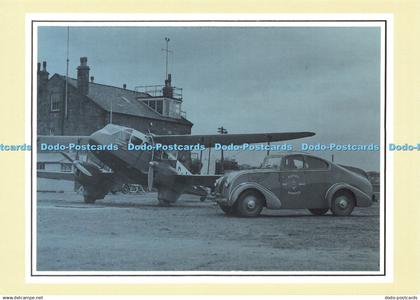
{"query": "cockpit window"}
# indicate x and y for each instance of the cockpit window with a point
(136, 141)
(124, 135)
(112, 129)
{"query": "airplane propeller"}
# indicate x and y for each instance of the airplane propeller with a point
(77, 164)
(152, 165)
(150, 175)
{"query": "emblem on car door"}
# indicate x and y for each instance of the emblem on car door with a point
(293, 184)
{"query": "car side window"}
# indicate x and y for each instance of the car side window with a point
(293, 162)
(315, 163)
(271, 163)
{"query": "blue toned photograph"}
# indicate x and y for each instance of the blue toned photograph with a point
(248, 147)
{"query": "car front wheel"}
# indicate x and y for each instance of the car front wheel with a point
(226, 209)
(249, 204)
(342, 204)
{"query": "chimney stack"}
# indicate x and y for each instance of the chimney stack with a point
(92, 79)
(83, 76)
(42, 76)
(124, 86)
(168, 90)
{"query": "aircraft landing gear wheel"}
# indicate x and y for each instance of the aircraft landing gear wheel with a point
(318, 211)
(164, 203)
(249, 204)
(342, 204)
(89, 199)
(226, 209)
(125, 189)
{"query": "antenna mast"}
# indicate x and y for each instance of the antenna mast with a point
(67, 76)
(167, 53)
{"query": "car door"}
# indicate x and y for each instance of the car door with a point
(318, 180)
(292, 182)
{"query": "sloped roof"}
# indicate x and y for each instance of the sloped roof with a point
(123, 101)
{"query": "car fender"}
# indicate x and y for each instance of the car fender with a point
(272, 201)
(362, 199)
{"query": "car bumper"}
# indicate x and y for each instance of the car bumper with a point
(363, 200)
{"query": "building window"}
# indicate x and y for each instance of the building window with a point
(40, 166)
(176, 109)
(159, 107)
(55, 102)
(166, 107)
(65, 167)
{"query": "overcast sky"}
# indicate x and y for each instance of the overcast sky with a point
(321, 79)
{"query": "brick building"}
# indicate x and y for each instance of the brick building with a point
(89, 106)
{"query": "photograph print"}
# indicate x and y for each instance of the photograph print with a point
(250, 148)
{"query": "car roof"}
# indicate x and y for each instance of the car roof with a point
(282, 154)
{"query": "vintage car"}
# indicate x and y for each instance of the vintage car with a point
(291, 181)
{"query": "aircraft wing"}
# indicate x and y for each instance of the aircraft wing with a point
(55, 175)
(70, 175)
(210, 140)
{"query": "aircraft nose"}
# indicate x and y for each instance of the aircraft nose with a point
(94, 139)
(100, 138)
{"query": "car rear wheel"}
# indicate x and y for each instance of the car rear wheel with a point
(342, 204)
(318, 211)
(249, 204)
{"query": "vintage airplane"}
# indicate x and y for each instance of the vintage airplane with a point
(156, 169)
